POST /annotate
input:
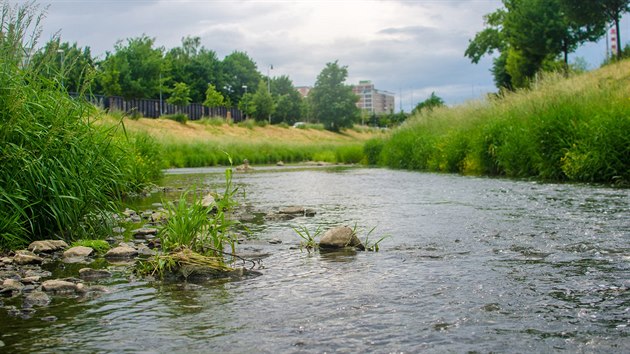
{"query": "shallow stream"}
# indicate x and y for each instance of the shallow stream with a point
(470, 265)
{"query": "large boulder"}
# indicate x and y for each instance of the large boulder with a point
(47, 246)
(340, 237)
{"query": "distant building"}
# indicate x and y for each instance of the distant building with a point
(304, 90)
(372, 100)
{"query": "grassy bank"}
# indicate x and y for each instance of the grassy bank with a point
(575, 129)
(206, 143)
(60, 174)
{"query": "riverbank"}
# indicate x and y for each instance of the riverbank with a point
(575, 129)
(209, 142)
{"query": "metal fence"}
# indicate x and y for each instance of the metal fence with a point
(152, 108)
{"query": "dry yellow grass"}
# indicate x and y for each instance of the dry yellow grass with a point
(169, 130)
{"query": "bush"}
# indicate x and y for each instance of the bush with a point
(178, 117)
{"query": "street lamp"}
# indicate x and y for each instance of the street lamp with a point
(60, 51)
(245, 87)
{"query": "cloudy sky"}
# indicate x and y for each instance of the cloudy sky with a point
(410, 48)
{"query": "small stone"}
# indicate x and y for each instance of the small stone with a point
(37, 273)
(292, 210)
(122, 251)
(47, 246)
(128, 212)
(49, 318)
(119, 230)
(208, 201)
(36, 298)
(59, 286)
(275, 241)
(78, 252)
(280, 163)
(159, 216)
(26, 257)
(31, 280)
(6, 260)
(91, 274)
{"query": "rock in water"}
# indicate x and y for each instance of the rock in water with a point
(91, 274)
(47, 246)
(59, 286)
(36, 298)
(122, 251)
(340, 237)
(23, 257)
(78, 251)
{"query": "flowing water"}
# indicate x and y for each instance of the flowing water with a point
(470, 265)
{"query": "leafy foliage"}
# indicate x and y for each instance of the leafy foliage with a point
(333, 103)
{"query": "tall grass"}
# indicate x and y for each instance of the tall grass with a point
(198, 153)
(59, 173)
(575, 129)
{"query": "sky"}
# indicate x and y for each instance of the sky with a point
(408, 48)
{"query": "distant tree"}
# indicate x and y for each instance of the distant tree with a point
(246, 104)
(214, 98)
(263, 103)
(431, 102)
(72, 65)
(180, 95)
(333, 102)
(288, 101)
(196, 66)
(238, 70)
(133, 70)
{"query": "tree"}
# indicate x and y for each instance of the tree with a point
(180, 96)
(214, 98)
(597, 14)
(238, 70)
(134, 70)
(431, 102)
(288, 101)
(263, 103)
(333, 102)
(530, 35)
(196, 66)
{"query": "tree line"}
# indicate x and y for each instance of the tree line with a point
(138, 69)
(537, 35)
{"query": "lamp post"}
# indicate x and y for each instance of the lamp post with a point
(269, 87)
(60, 51)
(245, 87)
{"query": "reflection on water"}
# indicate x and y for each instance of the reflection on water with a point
(471, 264)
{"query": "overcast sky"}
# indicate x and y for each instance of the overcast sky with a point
(409, 48)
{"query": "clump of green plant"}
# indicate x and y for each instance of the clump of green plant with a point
(308, 239)
(247, 123)
(178, 117)
(195, 234)
(367, 243)
(100, 246)
(213, 121)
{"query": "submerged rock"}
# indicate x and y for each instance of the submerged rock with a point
(59, 286)
(340, 237)
(36, 298)
(142, 233)
(47, 246)
(92, 274)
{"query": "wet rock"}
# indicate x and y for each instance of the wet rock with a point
(340, 237)
(78, 252)
(159, 216)
(49, 318)
(293, 210)
(36, 298)
(275, 241)
(280, 163)
(119, 230)
(121, 252)
(37, 273)
(92, 274)
(23, 257)
(59, 286)
(279, 217)
(47, 246)
(6, 260)
(142, 233)
(144, 250)
(31, 280)
(12, 285)
(208, 201)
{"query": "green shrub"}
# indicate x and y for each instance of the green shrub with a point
(178, 117)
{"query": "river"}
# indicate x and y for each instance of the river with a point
(469, 265)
